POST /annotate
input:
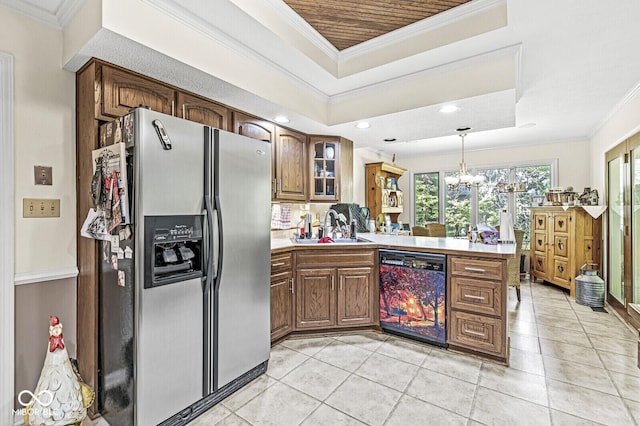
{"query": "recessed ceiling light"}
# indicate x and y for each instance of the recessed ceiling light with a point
(281, 119)
(527, 125)
(449, 108)
(363, 125)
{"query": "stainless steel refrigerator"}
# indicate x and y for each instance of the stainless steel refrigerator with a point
(186, 322)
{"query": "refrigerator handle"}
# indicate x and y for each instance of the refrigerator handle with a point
(211, 249)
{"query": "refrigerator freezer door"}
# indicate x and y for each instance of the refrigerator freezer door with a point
(171, 182)
(243, 199)
(169, 368)
(170, 318)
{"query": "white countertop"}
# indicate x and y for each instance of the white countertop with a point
(409, 242)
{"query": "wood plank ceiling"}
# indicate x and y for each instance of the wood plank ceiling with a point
(345, 23)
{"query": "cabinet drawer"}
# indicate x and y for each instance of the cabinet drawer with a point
(561, 270)
(280, 262)
(540, 221)
(539, 263)
(478, 296)
(561, 222)
(561, 245)
(476, 332)
(312, 258)
(540, 241)
(478, 268)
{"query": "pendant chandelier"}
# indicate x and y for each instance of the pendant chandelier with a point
(464, 179)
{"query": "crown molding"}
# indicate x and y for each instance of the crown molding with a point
(310, 33)
(631, 94)
(57, 19)
(201, 25)
(420, 27)
(67, 11)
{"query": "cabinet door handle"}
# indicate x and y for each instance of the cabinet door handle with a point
(277, 264)
(475, 333)
(173, 108)
(469, 268)
(292, 285)
(471, 296)
(561, 268)
(184, 111)
(332, 283)
(337, 194)
(281, 186)
(341, 283)
(275, 186)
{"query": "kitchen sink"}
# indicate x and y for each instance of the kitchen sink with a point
(309, 241)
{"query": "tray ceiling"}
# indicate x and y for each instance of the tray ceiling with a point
(345, 23)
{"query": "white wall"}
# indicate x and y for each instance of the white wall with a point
(44, 135)
(624, 122)
(573, 165)
(44, 123)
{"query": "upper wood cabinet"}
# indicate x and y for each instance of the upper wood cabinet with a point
(121, 91)
(253, 127)
(324, 170)
(289, 165)
(200, 110)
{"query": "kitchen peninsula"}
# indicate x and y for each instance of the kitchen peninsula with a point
(332, 287)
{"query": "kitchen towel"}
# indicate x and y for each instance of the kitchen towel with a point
(506, 228)
(280, 216)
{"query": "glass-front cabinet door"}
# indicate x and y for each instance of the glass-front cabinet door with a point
(325, 169)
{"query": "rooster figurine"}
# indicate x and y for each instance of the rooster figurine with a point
(61, 397)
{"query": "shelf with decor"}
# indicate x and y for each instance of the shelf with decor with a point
(382, 193)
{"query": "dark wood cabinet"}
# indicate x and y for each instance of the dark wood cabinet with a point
(324, 168)
(122, 91)
(315, 298)
(289, 165)
(335, 289)
(253, 127)
(356, 291)
(282, 287)
(200, 110)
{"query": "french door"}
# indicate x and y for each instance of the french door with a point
(623, 229)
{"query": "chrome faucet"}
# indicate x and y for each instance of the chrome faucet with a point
(327, 224)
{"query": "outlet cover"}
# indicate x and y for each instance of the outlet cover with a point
(40, 207)
(43, 175)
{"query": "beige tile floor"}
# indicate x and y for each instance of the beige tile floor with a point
(569, 366)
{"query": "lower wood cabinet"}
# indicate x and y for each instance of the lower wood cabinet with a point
(282, 287)
(477, 306)
(332, 294)
(477, 332)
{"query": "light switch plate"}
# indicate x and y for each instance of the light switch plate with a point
(43, 175)
(40, 207)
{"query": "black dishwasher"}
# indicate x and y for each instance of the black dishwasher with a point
(413, 295)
